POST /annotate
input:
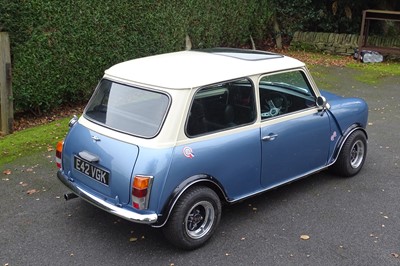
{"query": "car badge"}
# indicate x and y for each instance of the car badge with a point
(95, 138)
(334, 135)
(188, 152)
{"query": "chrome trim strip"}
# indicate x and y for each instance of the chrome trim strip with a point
(110, 208)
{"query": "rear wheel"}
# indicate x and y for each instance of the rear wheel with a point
(352, 156)
(194, 218)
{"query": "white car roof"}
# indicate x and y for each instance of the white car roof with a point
(189, 69)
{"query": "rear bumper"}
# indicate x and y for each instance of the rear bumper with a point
(102, 204)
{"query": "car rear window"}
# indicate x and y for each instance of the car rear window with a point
(132, 110)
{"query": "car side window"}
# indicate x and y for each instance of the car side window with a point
(284, 93)
(221, 106)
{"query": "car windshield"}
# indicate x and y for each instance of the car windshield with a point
(128, 109)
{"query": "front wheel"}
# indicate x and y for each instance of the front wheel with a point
(194, 219)
(352, 156)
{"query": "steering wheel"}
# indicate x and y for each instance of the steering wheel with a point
(275, 104)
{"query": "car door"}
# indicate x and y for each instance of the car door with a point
(295, 135)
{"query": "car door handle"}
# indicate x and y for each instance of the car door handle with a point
(269, 137)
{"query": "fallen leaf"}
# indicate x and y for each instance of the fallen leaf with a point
(132, 239)
(7, 172)
(49, 148)
(395, 255)
(31, 191)
(23, 184)
(304, 237)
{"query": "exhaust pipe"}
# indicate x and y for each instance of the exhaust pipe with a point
(68, 196)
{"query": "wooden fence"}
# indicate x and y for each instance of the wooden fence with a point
(6, 96)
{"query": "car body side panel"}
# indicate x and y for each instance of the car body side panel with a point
(232, 159)
(154, 162)
(346, 113)
(301, 145)
(335, 137)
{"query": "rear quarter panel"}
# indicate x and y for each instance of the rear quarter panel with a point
(232, 159)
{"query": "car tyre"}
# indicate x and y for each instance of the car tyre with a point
(352, 156)
(194, 219)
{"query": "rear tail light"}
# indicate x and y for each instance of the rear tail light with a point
(141, 191)
(59, 148)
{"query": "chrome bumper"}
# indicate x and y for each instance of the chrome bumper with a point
(118, 211)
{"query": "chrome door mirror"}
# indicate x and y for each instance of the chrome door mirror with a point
(73, 120)
(322, 103)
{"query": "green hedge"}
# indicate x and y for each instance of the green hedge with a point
(61, 48)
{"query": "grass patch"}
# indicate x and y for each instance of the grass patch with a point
(321, 76)
(373, 73)
(32, 140)
(369, 73)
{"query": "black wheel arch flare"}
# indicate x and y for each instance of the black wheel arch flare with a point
(341, 142)
(196, 180)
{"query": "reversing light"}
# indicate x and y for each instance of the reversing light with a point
(59, 148)
(141, 191)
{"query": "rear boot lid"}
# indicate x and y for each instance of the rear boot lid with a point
(101, 163)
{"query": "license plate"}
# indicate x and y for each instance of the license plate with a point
(92, 171)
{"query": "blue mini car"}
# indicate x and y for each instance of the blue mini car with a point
(166, 139)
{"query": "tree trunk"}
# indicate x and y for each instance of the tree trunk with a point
(277, 31)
